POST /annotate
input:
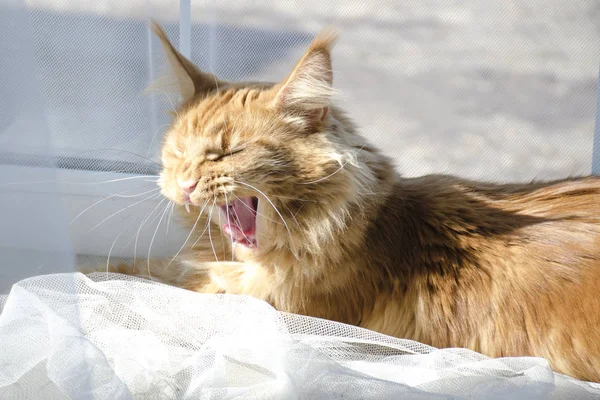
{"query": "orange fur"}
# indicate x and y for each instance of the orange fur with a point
(505, 270)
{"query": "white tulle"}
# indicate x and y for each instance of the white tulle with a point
(112, 337)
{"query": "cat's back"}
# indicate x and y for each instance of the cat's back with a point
(571, 197)
(551, 228)
(505, 270)
(449, 213)
(547, 231)
(551, 276)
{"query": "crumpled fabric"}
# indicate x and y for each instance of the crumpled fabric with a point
(109, 336)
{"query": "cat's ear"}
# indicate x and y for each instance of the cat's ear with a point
(308, 89)
(190, 80)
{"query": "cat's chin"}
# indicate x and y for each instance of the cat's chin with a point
(240, 221)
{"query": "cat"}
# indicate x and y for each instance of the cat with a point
(316, 221)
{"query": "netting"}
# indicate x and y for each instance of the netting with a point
(113, 337)
(482, 89)
(486, 90)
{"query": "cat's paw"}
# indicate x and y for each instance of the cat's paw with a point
(120, 268)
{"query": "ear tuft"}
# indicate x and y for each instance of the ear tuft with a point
(309, 86)
(190, 80)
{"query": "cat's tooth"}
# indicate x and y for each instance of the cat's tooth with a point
(187, 207)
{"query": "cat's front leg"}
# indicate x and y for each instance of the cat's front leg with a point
(165, 271)
(203, 277)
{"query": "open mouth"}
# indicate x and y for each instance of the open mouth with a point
(240, 220)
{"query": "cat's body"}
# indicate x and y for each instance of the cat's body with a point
(333, 232)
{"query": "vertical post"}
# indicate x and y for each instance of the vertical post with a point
(151, 79)
(212, 39)
(596, 148)
(185, 27)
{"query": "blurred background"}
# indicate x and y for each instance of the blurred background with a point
(494, 90)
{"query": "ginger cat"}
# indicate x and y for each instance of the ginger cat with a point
(321, 224)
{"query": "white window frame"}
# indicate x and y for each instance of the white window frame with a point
(98, 191)
(88, 198)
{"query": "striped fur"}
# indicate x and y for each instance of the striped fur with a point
(505, 270)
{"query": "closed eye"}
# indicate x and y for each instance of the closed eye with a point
(216, 156)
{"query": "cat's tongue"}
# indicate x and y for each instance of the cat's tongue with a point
(241, 221)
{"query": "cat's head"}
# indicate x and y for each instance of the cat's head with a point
(259, 153)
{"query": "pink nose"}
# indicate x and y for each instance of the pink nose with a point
(187, 186)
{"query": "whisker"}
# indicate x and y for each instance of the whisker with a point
(269, 219)
(209, 234)
(123, 209)
(296, 199)
(154, 137)
(135, 195)
(79, 183)
(229, 223)
(43, 263)
(325, 177)
(94, 204)
(119, 180)
(202, 234)
(167, 96)
(214, 251)
(153, 236)
(143, 222)
(137, 235)
(336, 171)
(96, 150)
(216, 84)
(272, 205)
(220, 224)
(188, 237)
(257, 213)
(292, 214)
(111, 248)
(172, 205)
(238, 218)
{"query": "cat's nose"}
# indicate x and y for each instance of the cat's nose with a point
(187, 186)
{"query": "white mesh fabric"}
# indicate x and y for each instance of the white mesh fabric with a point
(114, 337)
(429, 81)
(487, 90)
(483, 89)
